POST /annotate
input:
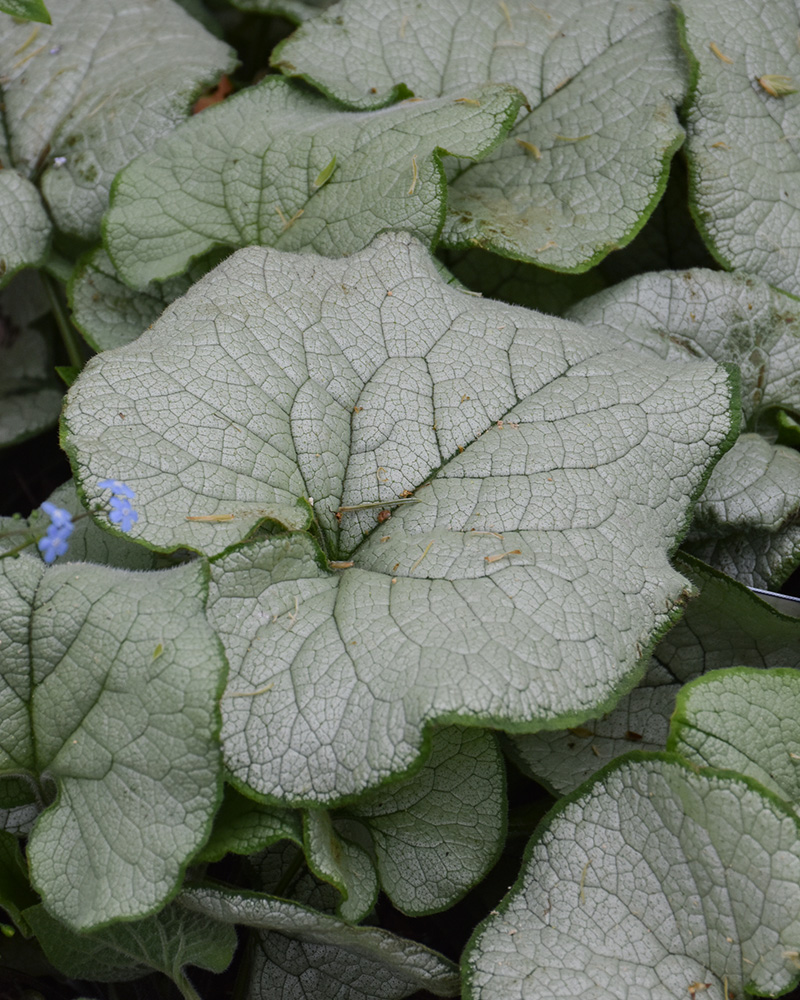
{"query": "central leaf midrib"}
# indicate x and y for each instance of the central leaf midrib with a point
(430, 476)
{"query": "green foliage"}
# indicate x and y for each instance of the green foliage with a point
(344, 536)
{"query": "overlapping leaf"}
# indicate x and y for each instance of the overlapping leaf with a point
(243, 826)
(167, 941)
(303, 952)
(668, 240)
(108, 312)
(726, 624)
(109, 691)
(581, 172)
(743, 123)
(437, 833)
(754, 492)
(566, 469)
(277, 166)
(653, 881)
(743, 720)
(342, 863)
(26, 228)
(86, 94)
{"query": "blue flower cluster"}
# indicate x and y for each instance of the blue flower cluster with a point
(122, 513)
(54, 542)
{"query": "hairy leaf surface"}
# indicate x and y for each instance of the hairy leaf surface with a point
(581, 171)
(650, 882)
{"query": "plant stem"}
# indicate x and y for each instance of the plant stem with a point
(186, 988)
(65, 326)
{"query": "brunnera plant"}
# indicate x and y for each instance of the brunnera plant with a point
(359, 570)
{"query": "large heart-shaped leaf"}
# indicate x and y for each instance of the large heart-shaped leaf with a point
(654, 881)
(742, 124)
(743, 720)
(109, 688)
(754, 492)
(285, 168)
(581, 172)
(725, 625)
(563, 469)
(303, 952)
(86, 94)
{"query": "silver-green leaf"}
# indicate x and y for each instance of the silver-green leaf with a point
(742, 133)
(24, 224)
(86, 94)
(725, 624)
(109, 691)
(743, 720)
(242, 826)
(582, 170)
(341, 862)
(652, 881)
(300, 949)
(166, 942)
(248, 172)
(436, 834)
(107, 311)
(560, 470)
(754, 492)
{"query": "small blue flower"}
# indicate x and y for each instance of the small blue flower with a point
(54, 542)
(122, 514)
(60, 518)
(52, 546)
(118, 488)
